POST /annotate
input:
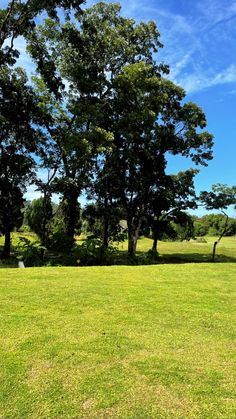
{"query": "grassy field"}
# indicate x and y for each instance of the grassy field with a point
(118, 342)
(190, 251)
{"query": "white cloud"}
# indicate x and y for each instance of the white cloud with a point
(32, 193)
(180, 65)
(195, 82)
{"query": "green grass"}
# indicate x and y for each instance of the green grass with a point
(190, 251)
(118, 342)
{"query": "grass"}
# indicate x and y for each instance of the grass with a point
(190, 251)
(118, 342)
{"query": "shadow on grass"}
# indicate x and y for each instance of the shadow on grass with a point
(195, 258)
(173, 258)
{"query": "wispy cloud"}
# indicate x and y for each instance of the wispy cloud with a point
(32, 194)
(200, 47)
(195, 82)
(199, 39)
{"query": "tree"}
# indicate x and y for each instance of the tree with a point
(108, 112)
(18, 107)
(15, 172)
(76, 117)
(18, 18)
(18, 138)
(220, 198)
(151, 122)
(141, 109)
(38, 216)
(174, 195)
(93, 216)
(183, 226)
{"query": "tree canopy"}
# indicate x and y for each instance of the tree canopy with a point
(102, 115)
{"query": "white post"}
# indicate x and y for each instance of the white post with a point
(21, 264)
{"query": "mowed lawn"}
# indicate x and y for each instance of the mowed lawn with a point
(118, 342)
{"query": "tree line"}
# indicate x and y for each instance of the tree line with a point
(179, 226)
(100, 116)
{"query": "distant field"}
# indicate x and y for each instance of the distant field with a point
(191, 250)
(118, 342)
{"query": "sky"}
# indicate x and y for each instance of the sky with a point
(199, 46)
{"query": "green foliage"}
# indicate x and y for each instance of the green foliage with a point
(93, 222)
(15, 171)
(18, 18)
(102, 116)
(213, 225)
(60, 242)
(152, 256)
(91, 252)
(38, 215)
(29, 252)
(220, 198)
(183, 226)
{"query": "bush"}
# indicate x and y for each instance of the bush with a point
(30, 253)
(91, 252)
(60, 242)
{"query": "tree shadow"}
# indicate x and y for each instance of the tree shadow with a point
(172, 258)
(195, 258)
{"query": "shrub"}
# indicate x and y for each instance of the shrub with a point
(29, 252)
(91, 252)
(60, 242)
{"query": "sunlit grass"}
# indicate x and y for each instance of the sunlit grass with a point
(190, 250)
(118, 342)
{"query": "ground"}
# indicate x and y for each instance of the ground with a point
(118, 342)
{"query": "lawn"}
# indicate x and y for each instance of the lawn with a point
(190, 251)
(118, 342)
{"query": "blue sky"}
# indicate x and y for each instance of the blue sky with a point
(199, 40)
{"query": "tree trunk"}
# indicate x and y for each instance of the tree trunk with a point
(7, 243)
(72, 198)
(132, 244)
(133, 233)
(214, 251)
(105, 234)
(155, 241)
(219, 239)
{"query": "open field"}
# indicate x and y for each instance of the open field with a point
(118, 342)
(193, 251)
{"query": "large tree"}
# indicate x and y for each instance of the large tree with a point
(150, 121)
(15, 173)
(130, 97)
(18, 139)
(19, 113)
(87, 55)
